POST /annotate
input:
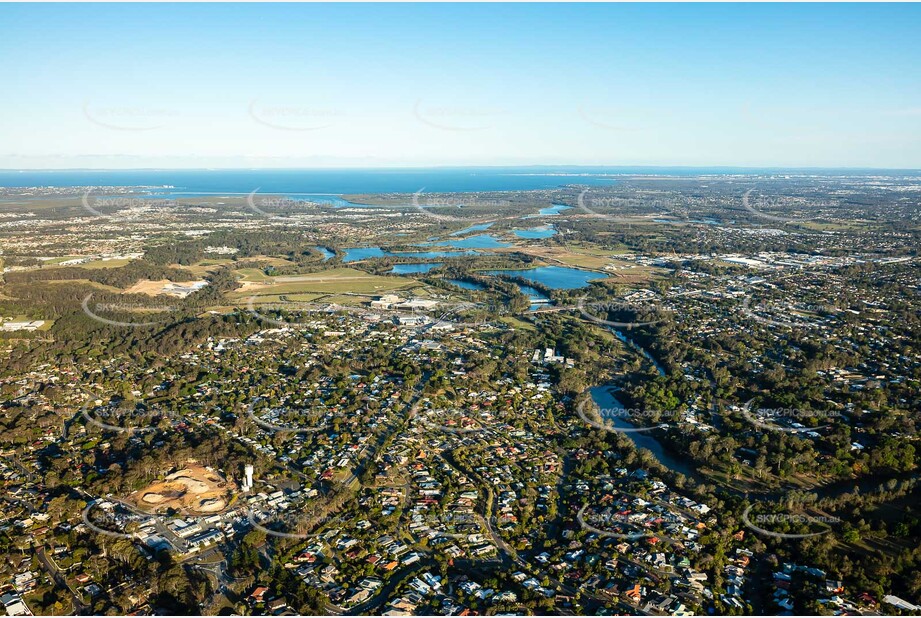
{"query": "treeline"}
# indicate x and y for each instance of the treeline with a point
(121, 277)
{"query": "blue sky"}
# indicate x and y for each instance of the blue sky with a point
(283, 85)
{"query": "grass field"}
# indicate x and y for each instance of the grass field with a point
(518, 323)
(251, 274)
(334, 281)
(57, 260)
(307, 298)
(99, 286)
(204, 267)
(96, 264)
(579, 257)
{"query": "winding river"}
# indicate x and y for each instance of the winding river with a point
(604, 398)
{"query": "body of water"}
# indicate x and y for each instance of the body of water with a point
(605, 399)
(336, 182)
(536, 232)
(409, 269)
(327, 254)
(538, 299)
(554, 210)
(467, 285)
(554, 277)
(428, 255)
(334, 201)
(357, 254)
(480, 241)
(640, 349)
(473, 228)
(319, 182)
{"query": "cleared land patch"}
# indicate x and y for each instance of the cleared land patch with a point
(194, 489)
(337, 280)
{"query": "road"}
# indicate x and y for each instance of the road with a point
(59, 579)
(509, 555)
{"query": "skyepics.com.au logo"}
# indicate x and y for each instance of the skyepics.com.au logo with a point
(287, 420)
(607, 206)
(774, 524)
(789, 420)
(620, 419)
(639, 307)
(434, 206)
(103, 521)
(454, 421)
(279, 206)
(454, 117)
(300, 519)
(129, 416)
(128, 117)
(123, 207)
(294, 314)
(783, 314)
(287, 117)
(162, 513)
(763, 206)
(615, 526)
(297, 315)
(124, 314)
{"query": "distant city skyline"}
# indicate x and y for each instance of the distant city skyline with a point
(415, 85)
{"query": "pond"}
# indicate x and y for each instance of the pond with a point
(467, 285)
(480, 241)
(554, 277)
(356, 254)
(362, 253)
(327, 254)
(536, 232)
(538, 299)
(554, 210)
(473, 228)
(409, 269)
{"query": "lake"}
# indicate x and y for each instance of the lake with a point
(536, 232)
(554, 277)
(554, 210)
(480, 241)
(467, 285)
(362, 253)
(327, 254)
(356, 254)
(409, 269)
(473, 228)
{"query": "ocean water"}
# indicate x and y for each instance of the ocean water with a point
(323, 183)
(333, 182)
